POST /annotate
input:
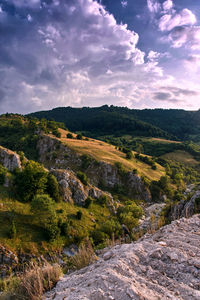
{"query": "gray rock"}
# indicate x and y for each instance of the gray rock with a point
(160, 266)
(9, 159)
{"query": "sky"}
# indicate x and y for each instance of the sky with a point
(134, 53)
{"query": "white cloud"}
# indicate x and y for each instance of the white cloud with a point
(167, 22)
(185, 36)
(167, 5)
(154, 6)
(124, 3)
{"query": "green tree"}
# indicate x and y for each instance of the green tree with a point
(43, 208)
(52, 187)
(31, 181)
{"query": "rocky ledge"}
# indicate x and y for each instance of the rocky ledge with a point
(165, 265)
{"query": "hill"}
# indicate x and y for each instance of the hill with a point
(102, 121)
(111, 120)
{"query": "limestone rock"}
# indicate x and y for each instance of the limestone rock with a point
(160, 266)
(9, 159)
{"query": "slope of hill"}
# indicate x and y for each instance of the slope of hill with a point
(119, 120)
(160, 266)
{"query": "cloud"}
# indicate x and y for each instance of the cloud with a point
(167, 5)
(173, 94)
(154, 6)
(124, 3)
(188, 36)
(168, 22)
(68, 53)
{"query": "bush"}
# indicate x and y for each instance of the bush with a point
(52, 187)
(82, 177)
(103, 200)
(88, 202)
(99, 236)
(79, 215)
(129, 155)
(79, 136)
(31, 181)
(69, 136)
(56, 133)
(43, 208)
(2, 174)
(13, 231)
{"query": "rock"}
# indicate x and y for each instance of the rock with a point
(9, 159)
(184, 208)
(160, 266)
(98, 172)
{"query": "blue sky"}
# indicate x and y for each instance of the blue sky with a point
(135, 53)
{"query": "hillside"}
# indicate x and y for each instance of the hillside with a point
(160, 266)
(113, 120)
(102, 121)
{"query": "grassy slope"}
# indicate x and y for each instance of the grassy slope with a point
(182, 157)
(102, 151)
(30, 238)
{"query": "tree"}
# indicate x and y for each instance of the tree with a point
(69, 136)
(129, 155)
(79, 136)
(43, 208)
(52, 187)
(31, 181)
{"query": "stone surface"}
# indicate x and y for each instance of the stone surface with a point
(184, 208)
(73, 190)
(162, 266)
(9, 159)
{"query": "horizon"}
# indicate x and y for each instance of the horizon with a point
(90, 53)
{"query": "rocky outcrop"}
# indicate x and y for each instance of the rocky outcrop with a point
(185, 208)
(54, 154)
(73, 190)
(9, 159)
(164, 266)
(8, 260)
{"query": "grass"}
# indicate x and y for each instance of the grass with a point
(181, 157)
(102, 151)
(30, 238)
(32, 284)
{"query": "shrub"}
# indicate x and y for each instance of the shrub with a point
(86, 161)
(129, 155)
(2, 174)
(82, 177)
(56, 133)
(79, 215)
(88, 202)
(52, 187)
(43, 208)
(79, 136)
(103, 200)
(69, 136)
(13, 231)
(31, 181)
(99, 236)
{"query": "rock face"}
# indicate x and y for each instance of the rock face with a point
(54, 154)
(9, 159)
(162, 266)
(7, 260)
(73, 190)
(185, 208)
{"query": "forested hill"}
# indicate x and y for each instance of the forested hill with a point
(106, 120)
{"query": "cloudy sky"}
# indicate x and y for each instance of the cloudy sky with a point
(135, 53)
